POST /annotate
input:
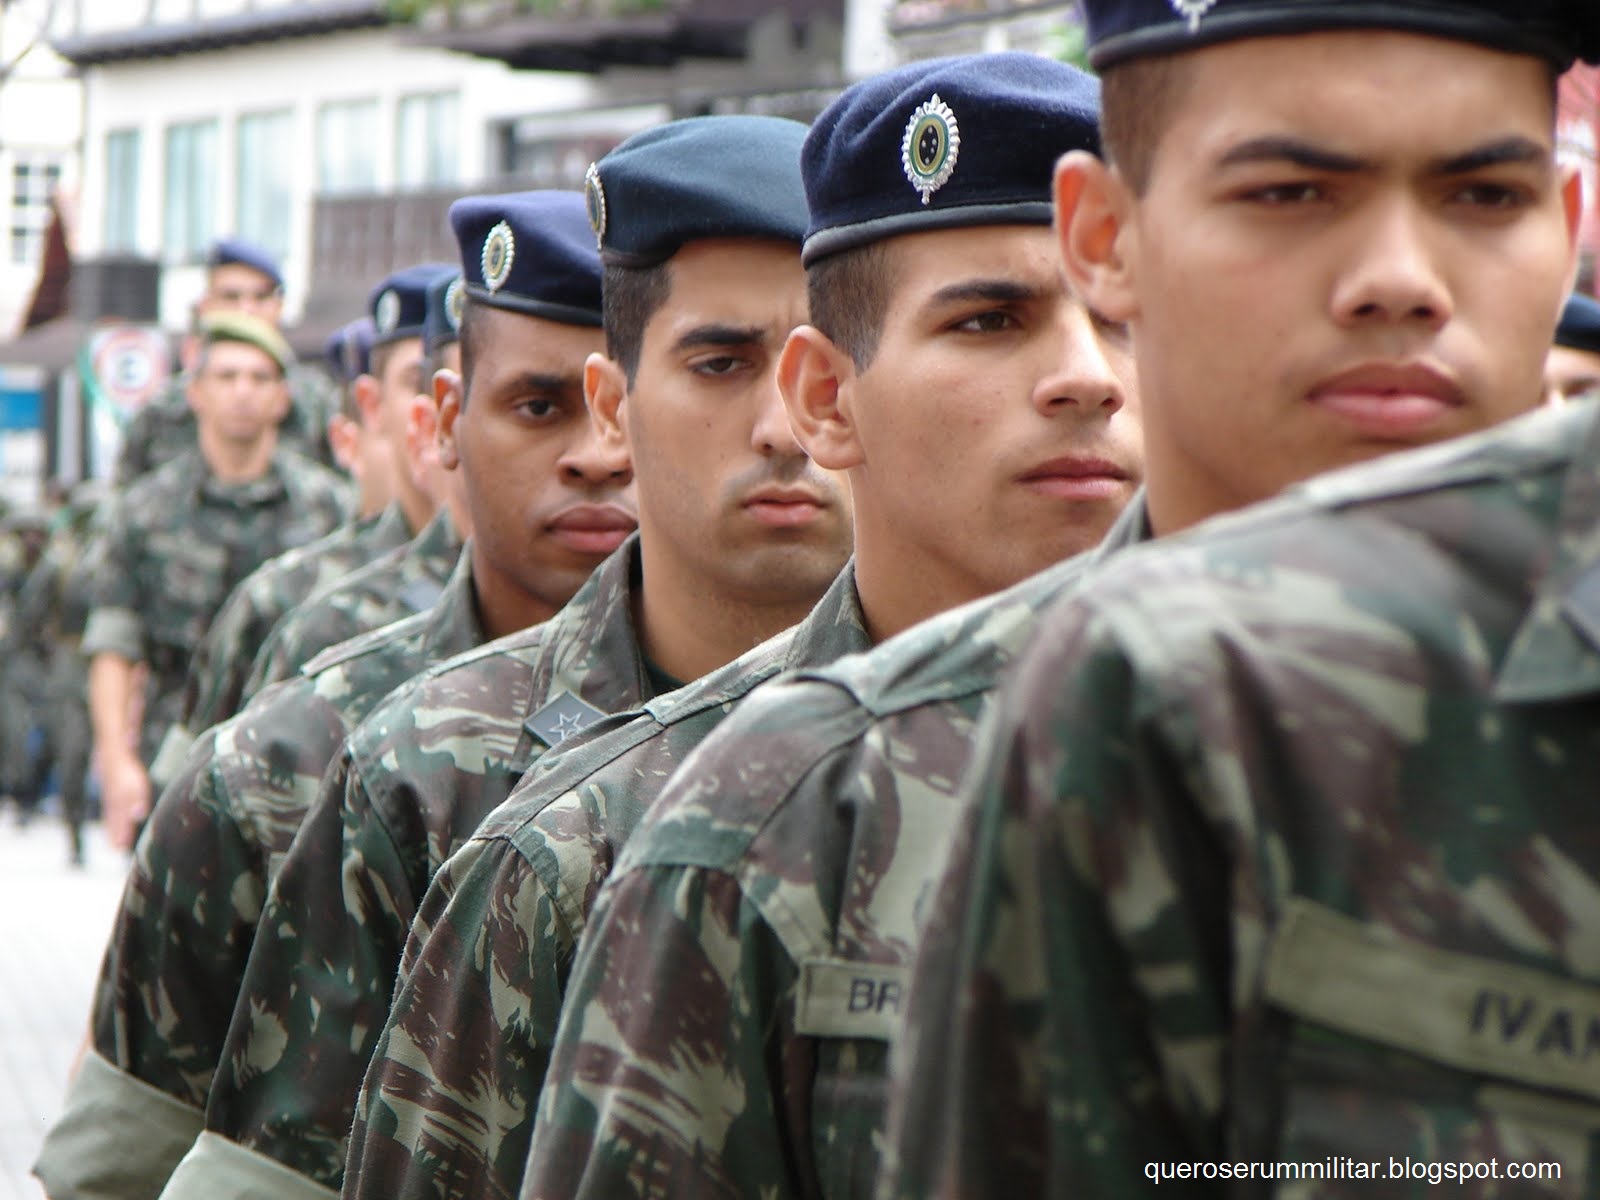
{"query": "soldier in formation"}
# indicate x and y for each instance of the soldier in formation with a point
(1022, 856)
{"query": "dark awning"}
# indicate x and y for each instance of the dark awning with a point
(252, 26)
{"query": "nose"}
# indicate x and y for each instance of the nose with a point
(1391, 276)
(1084, 379)
(771, 435)
(590, 461)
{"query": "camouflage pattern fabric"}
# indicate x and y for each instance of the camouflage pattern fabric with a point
(409, 788)
(177, 541)
(726, 1025)
(215, 687)
(201, 872)
(397, 583)
(164, 429)
(447, 1106)
(1283, 851)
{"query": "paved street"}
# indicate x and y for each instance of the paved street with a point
(53, 924)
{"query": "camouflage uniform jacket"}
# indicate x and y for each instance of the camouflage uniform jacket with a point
(215, 688)
(410, 786)
(1285, 852)
(397, 583)
(728, 1012)
(190, 909)
(177, 541)
(165, 428)
(447, 1107)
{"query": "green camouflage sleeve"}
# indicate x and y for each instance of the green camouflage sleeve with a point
(115, 621)
(447, 1106)
(316, 989)
(653, 1102)
(986, 1071)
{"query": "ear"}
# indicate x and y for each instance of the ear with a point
(369, 397)
(1093, 211)
(447, 393)
(813, 376)
(422, 431)
(344, 439)
(605, 388)
(1572, 202)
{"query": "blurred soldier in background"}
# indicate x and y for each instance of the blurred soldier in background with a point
(242, 278)
(180, 538)
(1573, 368)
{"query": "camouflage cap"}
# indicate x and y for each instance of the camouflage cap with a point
(252, 331)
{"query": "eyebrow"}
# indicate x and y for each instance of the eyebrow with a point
(537, 381)
(720, 335)
(1293, 151)
(990, 291)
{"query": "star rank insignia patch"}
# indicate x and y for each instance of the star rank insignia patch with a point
(564, 717)
(499, 251)
(931, 144)
(594, 199)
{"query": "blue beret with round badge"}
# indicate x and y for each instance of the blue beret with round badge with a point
(530, 252)
(943, 143)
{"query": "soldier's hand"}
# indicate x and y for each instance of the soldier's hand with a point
(125, 788)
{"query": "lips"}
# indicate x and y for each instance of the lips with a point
(784, 508)
(1390, 401)
(1073, 478)
(593, 528)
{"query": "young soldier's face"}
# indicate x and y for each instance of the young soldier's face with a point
(239, 393)
(546, 506)
(722, 481)
(1350, 243)
(997, 423)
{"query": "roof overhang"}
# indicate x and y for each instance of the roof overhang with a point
(201, 35)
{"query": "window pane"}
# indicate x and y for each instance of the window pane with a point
(122, 189)
(347, 135)
(191, 187)
(264, 160)
(425, 145)
(33, 183)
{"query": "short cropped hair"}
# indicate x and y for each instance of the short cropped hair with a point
(1137, 100)
(849, 296)
(631, 297)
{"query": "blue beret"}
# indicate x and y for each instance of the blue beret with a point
(227, 252)
(1580, 324)
(349, 349)
(951, 141)
(441, 324)
(1559, 30)
(399, 304)
(702, 177)
(530, 252)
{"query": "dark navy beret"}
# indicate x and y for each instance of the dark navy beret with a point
(946, 142)
(399, 304)
(530, 252)
(702, 177)
(349, 349)
(1559, 30)
(227, 252)
(1580, 323)
(441, 324)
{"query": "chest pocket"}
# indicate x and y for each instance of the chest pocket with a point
(186, 580)
(1411, 1058)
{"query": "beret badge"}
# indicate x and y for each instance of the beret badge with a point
(386, 314)
(454, 298)
(499, 251)
(931, 144)
(1193, 10)
(594, 200)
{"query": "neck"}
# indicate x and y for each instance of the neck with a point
(237, 462)
(417, 508)
(895, 596)
(687, 628)
(504, 607)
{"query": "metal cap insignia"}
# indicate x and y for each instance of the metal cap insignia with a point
(386, 313)
(594, 198)
(454, 298)
(1193, 10)
(499, 251)
(929, 149)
